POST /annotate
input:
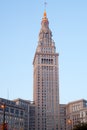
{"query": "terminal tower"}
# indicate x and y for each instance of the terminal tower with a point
(46, 80)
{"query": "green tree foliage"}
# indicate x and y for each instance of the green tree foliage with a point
(80, 126)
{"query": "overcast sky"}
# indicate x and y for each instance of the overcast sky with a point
(20, 23)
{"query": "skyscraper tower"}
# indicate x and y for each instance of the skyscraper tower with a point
(46, 80)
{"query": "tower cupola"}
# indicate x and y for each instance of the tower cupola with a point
(45, 22)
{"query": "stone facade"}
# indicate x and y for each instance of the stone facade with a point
(12, 114)
(62, 116)
(46, 80)
(76, 112)
(19, 114)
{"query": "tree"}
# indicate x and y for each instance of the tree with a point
(80, 126)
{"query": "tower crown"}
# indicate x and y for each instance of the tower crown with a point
(45, 21)
(45, 37)
(45, 15)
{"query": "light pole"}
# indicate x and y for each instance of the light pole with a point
(69, 121)
(3, 107)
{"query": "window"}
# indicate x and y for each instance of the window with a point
(12, 110)
(17, 112)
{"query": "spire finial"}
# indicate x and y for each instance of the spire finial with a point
(45, 4)
(44, 19)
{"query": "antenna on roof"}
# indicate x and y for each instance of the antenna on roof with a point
(8, 93)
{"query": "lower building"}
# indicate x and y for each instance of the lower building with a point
(12, 115)
(62, 116)
(29, 106)
(18, 114)
(32, 117)
(76, 112)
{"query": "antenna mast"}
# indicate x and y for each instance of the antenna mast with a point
(45, 5)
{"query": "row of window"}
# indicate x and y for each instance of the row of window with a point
(13, 111)
(47, 61)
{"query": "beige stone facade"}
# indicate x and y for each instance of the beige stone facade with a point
(46, 80)
(62, 116)
(12, 114)
(18, 114)
(29, 113)
(76, 112)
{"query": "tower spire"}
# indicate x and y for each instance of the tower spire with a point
(44, 19)
(45, 4)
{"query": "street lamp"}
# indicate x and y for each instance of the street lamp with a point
(69, 121)
(3, 107)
